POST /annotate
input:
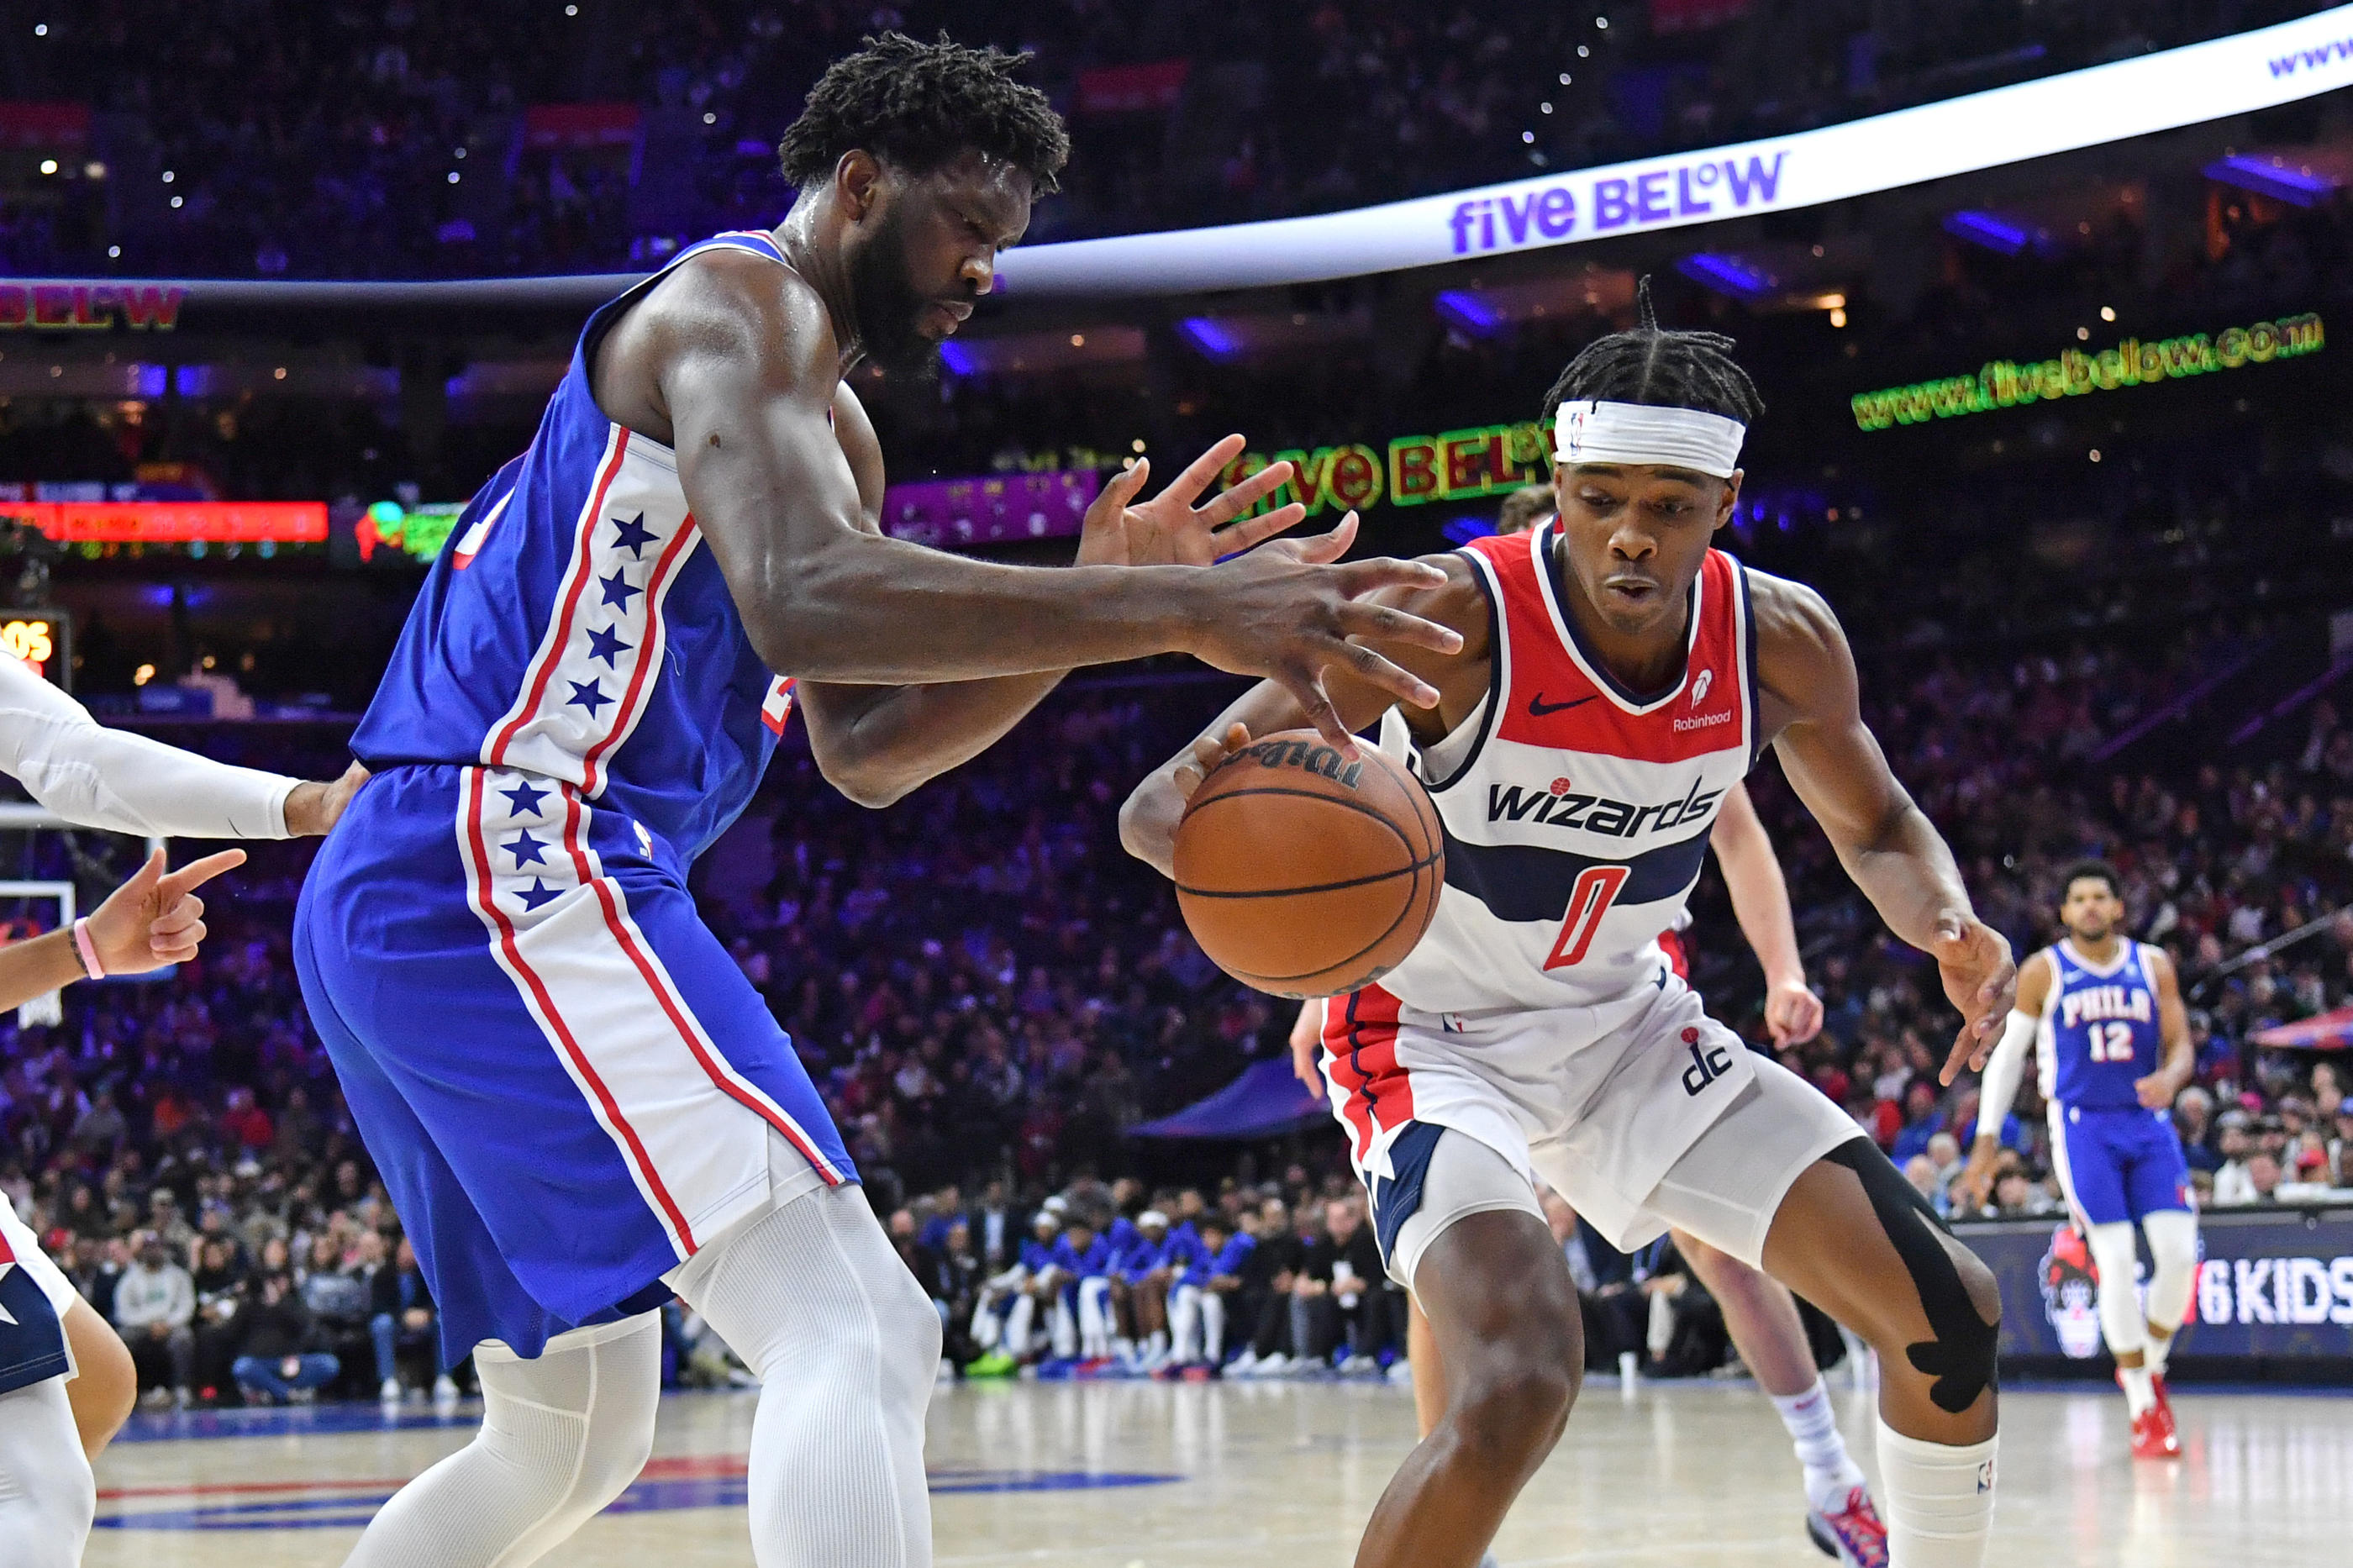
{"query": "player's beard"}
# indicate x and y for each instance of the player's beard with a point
(890, 308)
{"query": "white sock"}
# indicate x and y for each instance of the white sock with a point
(563, 1434)
(1939, 1500)
(1830, 1471)
(2138, 1394)
(814, 1299)
(2153, 1354)
(48, 1495)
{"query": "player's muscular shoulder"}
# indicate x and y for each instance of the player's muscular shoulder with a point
(855, 432)
(1804, 670)
(724, 325)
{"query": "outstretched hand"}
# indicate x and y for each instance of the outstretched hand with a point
(1981, 981)
(1169, 530)
(313, 807)
(1292, 612)
(155, 918)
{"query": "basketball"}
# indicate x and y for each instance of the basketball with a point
(1305, 873)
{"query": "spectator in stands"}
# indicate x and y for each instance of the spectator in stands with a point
(2194, 1119)
(219, 1279)
(1269, 1276)
(154, 1309)
(279, 1360)
(1339, 1298)
(336, 1289)
(403, 1322)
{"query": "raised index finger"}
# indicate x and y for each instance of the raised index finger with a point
(196, 873)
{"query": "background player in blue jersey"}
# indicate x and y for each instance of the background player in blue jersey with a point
(2106, 1014)
(579, 1103)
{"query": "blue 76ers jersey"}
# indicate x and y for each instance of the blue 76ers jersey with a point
(574, 628)
(2100, 1030)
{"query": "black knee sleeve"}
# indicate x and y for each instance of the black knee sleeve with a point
(1961, 1355)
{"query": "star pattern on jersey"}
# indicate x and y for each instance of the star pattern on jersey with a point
(523, 799)
(605, 643)
(538, 893)
(618, 592)
(526, 850)
(633, 535)
(587, 694)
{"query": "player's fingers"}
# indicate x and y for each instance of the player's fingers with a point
(1230, 503)
(1386, 623)
(1399, 682)
(1962, 1054)
(1390, 572)
(1252, 532)
(1323, 548)
(1122, 487)
(188, 912)
(1307, 688)
(1196, 474)
(196, 873)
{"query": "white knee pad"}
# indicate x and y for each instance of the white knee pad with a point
(562, 1434)
(847, 1345)
(2121, 1323)
(47, 1496)
(2173, 1249)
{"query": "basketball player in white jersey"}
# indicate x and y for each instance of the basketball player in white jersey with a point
(1759, 1313)
(65, 1381)
(1618, 676)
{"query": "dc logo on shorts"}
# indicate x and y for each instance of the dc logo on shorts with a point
(1708, 1064)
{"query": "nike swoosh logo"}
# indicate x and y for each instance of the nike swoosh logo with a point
(1539, 708)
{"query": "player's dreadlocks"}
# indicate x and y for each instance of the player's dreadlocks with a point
(917, 105)
(1647, 363)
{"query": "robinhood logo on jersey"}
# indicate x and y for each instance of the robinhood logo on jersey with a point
(1560, 804)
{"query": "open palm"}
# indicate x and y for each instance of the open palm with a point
(1169, 530)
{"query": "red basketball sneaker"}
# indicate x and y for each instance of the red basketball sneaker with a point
(2153, 1436)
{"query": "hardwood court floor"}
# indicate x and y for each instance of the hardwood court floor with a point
(1210, 1476)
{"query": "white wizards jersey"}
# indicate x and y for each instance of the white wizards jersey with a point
(1576, 813)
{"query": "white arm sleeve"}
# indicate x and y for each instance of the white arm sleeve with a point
(106, 778)
(2002, 1072)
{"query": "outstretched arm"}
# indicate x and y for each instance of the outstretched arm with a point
(1884, 840)
(151, 921)
(99, 777)
(1760, 901)
(743, 364)
(875, 743)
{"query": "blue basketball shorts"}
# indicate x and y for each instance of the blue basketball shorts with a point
(2117, 1165)
(567, 1082)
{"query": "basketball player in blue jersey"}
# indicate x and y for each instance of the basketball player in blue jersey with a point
(578, 1102)
(2104, 1013)
(1617, 677)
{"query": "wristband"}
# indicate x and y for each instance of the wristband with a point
(88, 948)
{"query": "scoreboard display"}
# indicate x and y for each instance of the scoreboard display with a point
(42, 638)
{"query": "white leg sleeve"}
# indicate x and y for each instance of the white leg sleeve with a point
(563, 1434)
(1185, 1322)
(986, 1323)
(1213, 1325)
(1016, 1339)
(2121, 1323)
(2173, 1246)
(1939, 1500)
(1064, 1329)
(847, 1345)
(1094, 1318)
(48, 1495)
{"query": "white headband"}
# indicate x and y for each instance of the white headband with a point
(1591, 431)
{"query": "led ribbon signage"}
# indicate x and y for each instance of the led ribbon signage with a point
(1982, 131)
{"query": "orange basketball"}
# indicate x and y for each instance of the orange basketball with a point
(1305, 873)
